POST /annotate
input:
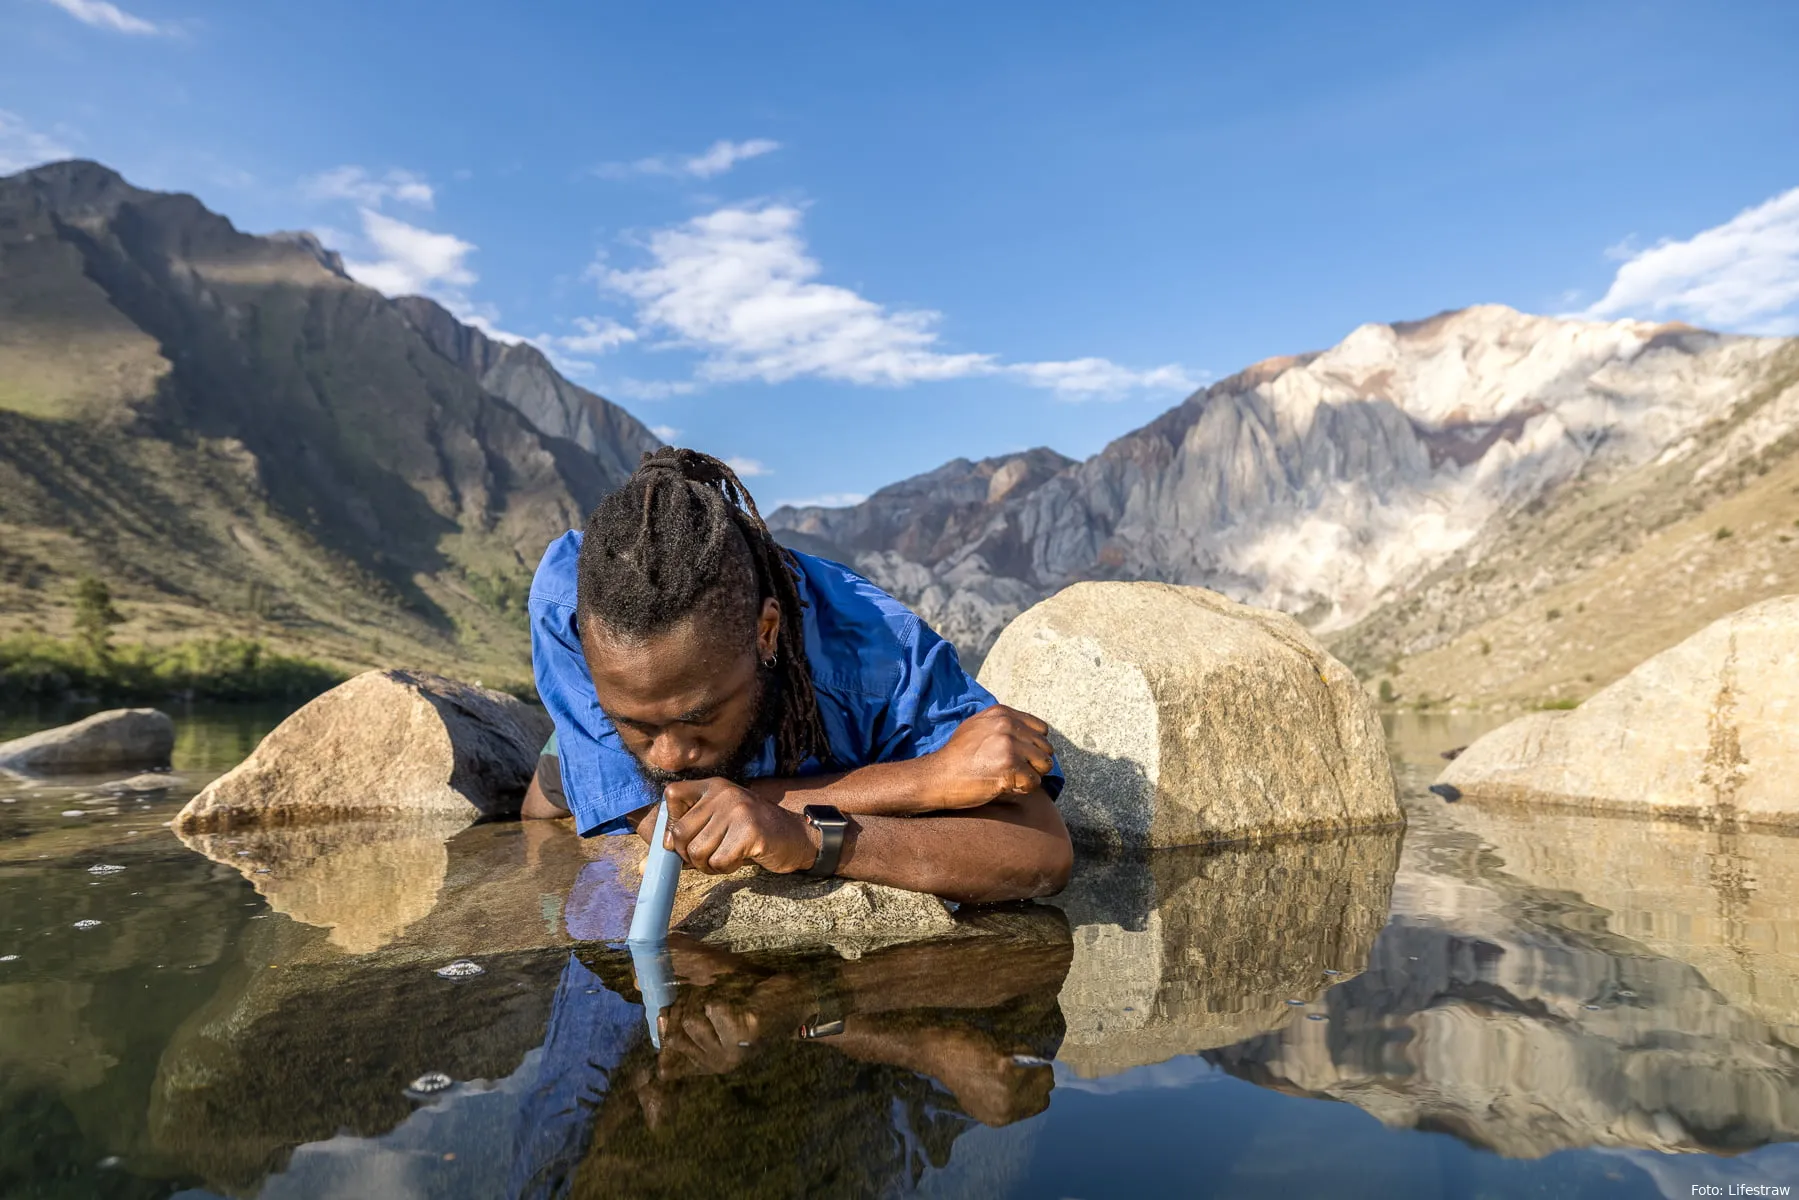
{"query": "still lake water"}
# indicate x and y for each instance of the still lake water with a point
(1495, 1003)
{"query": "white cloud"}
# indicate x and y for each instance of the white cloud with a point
(359, 187)
(597, 335)
(22, 147)
(738, 286)
(649, 389)
(1098, 378)
(410, 260)
(748, 468)
(667, 433)
(721, 156)
(716, 159)
(1742, 275)
(826, 500)
(397, 258)
(102, 15)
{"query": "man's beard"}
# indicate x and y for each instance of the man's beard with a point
(762, 724)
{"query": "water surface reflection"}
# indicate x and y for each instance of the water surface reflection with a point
(1496, 1001)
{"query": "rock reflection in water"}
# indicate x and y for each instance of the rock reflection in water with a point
(364, 881)
(558, 1089)
(1191, 949)
(1557, 980)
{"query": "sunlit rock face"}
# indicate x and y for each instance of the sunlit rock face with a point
(400, 744)
(1189, 950)
(1180, 717)
(1707, 729)
(1317, 484)
(1608, 982)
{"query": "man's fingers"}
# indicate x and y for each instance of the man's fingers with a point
(738, 847)
(704, 843)
(683, 795)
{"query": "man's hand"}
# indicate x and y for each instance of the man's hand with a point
(998, 752)
(717, 827)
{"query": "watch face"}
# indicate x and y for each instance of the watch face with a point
(825, 815)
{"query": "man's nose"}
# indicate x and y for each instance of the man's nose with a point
(670, 752)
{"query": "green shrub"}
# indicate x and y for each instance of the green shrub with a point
(225, 668)
(1724, 531)
(1386, 691)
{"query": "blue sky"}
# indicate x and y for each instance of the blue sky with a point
(844, 243)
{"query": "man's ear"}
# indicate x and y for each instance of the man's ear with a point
(768, 629)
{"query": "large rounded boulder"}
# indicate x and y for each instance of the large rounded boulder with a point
(1708, 729)
(1181, 717)
(120, 739)
(384, 744)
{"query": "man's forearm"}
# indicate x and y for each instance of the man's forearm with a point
(1010, 849)
(889, 789)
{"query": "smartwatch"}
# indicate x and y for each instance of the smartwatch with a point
(831, 824)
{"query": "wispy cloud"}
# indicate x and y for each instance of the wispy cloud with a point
(716, 159)
(573, 353)
(22, 147)
(358, 186)
(825, 500)
(102, 15)
(667, 433)
(398, 258)
(1742, 275)
(748, 468)
(409, 260)
(738, 286)
(595, 335)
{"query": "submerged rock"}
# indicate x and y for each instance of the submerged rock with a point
(150, 781)
(1181, 717)
(121, 739)
(1705, 729)
(386, 743)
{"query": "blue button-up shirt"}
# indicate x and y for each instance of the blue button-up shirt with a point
(888, 687)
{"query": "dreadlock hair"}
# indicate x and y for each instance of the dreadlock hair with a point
(682, 538)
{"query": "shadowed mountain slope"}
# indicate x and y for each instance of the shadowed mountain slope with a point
(240, 438)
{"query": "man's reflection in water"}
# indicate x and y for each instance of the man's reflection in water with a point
(806, 1077)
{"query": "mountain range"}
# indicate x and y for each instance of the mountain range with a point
(1418, 487)
(1485, 506)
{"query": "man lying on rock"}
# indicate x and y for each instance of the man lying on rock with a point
(792, 714)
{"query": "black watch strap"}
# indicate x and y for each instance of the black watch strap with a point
(831, 825)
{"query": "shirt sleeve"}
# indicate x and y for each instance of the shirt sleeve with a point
(934, 695)
(600, 781)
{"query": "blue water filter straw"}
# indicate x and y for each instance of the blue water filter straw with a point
(648, 938)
